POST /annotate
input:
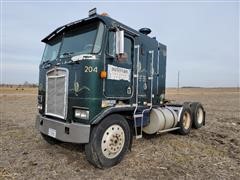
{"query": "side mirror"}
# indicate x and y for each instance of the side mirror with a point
(119, 42)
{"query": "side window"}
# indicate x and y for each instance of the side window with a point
(111, 44)
(98, 43)
(128, 49)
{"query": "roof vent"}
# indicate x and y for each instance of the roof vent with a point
(145, 31)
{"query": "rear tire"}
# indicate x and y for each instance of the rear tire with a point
(185, 122)
(50, 140)
(198, 115)
(109, 142)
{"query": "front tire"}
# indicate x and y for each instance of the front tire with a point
(109, 141)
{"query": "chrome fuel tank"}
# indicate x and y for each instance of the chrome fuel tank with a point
(160, 119)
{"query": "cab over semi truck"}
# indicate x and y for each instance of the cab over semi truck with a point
(101, 83)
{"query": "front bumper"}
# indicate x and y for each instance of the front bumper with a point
(66, 132)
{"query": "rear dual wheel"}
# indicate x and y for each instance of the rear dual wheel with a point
(185, 122)
(198, 115)
(109, 142)
(192, 115)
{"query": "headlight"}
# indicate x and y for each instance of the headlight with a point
(39, 106)
(82, 114)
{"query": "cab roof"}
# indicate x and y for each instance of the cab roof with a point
(105, 19)
(108, 21)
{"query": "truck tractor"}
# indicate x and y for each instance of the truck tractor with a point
(101, 84)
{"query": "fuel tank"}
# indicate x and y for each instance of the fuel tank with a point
(160, 119)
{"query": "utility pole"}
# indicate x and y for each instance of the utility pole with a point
(178, 84)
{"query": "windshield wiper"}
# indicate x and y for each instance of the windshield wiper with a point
(66, 54)
(46, 64)
(46, 61)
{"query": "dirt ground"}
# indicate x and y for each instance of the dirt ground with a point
(212, 152)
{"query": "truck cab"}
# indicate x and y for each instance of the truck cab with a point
(99, 81)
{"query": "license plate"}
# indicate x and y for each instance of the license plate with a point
(52, 132)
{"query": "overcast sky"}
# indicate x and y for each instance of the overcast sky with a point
(202, 38)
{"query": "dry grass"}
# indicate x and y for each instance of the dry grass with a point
(17, 90)
(212, 152)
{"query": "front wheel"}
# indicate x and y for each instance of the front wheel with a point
(109, 141)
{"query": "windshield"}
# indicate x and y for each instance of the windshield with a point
(84, 40)
(51, 49)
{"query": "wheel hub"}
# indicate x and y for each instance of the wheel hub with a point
(112, 141)
(200, 116)
(186, 120)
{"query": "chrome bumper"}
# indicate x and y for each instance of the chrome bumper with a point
(66, 132)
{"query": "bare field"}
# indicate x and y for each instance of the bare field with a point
(212, 152)
(18, 91)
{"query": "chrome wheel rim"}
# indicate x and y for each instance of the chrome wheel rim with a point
(113, 141)
(200, 115)
(186, 120)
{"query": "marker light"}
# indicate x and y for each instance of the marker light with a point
(104, 14)
(92, 12)
(107, 103)
(103, 74)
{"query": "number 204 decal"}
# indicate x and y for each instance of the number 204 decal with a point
(89, 69)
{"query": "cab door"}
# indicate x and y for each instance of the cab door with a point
(118, 84)
(144, 75)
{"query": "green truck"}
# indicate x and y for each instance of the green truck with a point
(101, 83)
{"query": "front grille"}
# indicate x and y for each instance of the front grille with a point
(56, 93)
